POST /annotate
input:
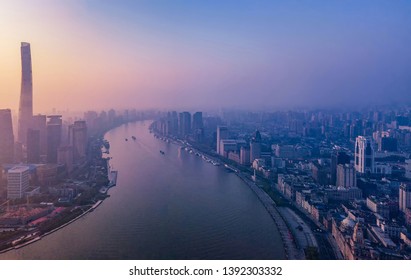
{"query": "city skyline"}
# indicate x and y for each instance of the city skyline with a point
(211, 130)
(207, 55)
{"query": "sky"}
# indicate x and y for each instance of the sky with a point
(100, 54)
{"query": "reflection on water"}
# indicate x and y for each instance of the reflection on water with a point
(165, 206)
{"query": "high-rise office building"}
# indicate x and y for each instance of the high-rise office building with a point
(78, 140)
(17, 181)
(40, 123)
(54, 131)
(364, 155)
(174, 123)
(222, 133)
(405, 196)
(198, 127)
(346, 176)
(6, 137)
(26, 95)
(65, 156)
(337, 158)
(18, 152)
(255, 146)
(33, 146)
(197, 120)
(244, 156)
(184, 124)
(91, 118)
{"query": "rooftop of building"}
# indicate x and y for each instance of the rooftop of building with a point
(18, 169)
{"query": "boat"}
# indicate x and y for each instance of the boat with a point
(162, 152)
(134, 138)
(103, 190)
(126, 139)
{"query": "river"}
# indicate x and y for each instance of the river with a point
(171, 206)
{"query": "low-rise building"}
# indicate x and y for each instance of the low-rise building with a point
(379, 206)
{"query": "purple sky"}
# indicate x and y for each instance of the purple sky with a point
(208, 54)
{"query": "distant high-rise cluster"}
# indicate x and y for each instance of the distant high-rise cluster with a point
(182, 125)
(38, 141)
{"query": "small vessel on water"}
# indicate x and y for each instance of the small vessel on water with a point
(134, 138)
(126, 139)
(162, 152)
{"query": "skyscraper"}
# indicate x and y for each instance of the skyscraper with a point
(339, 157)
(33, 146)
(364, 155)
(40, 123)
(6, 137)
(184, 124)
(54, 132)
(26, 94)
(198, 127)
(78, 140)
(222, 133)
(197, 121)
(255, 146)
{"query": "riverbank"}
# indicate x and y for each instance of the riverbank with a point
(39, 237)
(35, 234)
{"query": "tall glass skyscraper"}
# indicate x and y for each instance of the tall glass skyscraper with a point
(26, 95)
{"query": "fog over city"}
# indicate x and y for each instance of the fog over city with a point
(209, 54)
(205, 130)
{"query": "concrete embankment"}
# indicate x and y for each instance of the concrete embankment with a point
(291, 250)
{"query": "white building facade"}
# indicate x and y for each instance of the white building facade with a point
(17, 182)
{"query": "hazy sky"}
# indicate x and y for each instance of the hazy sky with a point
(249, 54)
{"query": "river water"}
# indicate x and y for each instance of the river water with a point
(171, 206)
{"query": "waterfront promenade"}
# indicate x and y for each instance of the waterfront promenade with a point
(292, 252)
